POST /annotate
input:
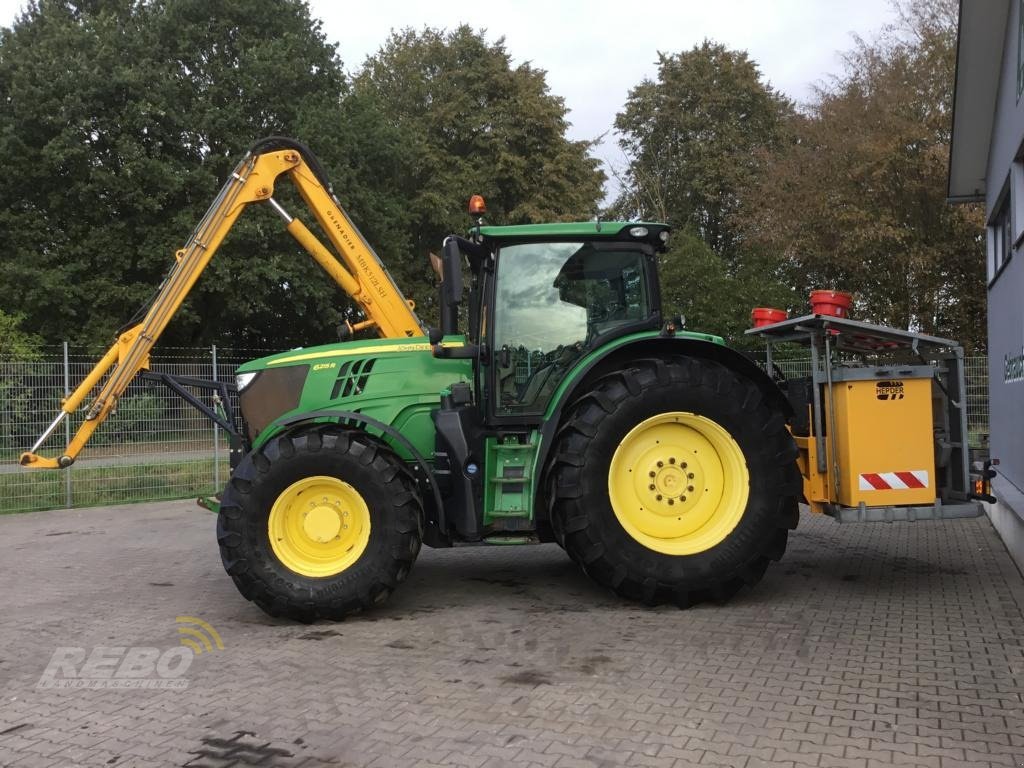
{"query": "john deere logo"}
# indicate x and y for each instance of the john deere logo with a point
(889, 390)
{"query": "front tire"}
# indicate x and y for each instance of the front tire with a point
(674, 481)
(320, 524)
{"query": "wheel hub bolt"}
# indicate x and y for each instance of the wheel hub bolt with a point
(671, 502)
(658, 497)
(652, 473)
(689, 488)
(661, 463)
(689, 476)
(672, 460)
(682, 464)
(682, 498)
(651, 486)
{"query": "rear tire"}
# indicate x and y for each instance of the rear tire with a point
(605, 455)
(360, 541)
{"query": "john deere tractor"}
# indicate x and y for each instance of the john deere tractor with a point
(565, 409)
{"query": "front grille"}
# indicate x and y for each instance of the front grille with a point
(273, 392)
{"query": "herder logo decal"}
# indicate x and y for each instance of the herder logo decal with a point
(889, 390)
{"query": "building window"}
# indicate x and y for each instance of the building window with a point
(1016, 194)
(1000, 238)
(1020, 48)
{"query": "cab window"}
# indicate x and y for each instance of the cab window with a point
(553, 302)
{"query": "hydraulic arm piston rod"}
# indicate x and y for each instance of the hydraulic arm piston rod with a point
(359, 273)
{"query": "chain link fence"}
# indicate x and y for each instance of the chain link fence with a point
(156, 446)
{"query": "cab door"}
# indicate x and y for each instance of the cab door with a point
(551, 304)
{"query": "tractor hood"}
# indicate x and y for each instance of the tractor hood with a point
(381, 378)
(341, 350)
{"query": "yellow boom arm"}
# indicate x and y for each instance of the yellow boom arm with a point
(361, 276)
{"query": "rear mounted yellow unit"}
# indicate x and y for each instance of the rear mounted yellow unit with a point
(880, 422)
(884, 436)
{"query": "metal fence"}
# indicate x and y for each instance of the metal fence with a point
(976, 380)
(157, 447)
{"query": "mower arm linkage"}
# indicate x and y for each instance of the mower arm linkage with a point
(361, 276)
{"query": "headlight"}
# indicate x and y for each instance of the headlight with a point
(638, 231)
(243, 380)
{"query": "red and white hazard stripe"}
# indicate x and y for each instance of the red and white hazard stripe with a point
(894, 481)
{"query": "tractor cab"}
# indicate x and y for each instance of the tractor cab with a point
(545, 296)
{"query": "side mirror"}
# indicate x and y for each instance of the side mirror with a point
(451, 271)
(451, 286)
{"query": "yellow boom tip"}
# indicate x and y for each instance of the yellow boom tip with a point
(34, 461)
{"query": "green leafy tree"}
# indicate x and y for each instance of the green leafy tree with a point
(120, 119)
(16, 344)
(857, 201)
(701, 286)
(692, 139)
(474, 124)
(17, 411)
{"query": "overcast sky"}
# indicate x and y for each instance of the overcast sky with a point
(595, 51)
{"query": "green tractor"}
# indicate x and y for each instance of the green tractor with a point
(567, 410)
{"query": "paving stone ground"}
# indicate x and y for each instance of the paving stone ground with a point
(867, 645)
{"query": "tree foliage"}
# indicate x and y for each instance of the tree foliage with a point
(693, 138)
(857, 200)
(714, 296)
(475, 124)
(120, 119)
(16, 344)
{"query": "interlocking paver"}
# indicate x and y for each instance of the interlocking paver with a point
(866, 646)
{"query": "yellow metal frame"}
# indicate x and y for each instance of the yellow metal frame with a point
(359, 273)
(678, 483)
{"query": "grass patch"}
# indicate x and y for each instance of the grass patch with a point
(33, 490)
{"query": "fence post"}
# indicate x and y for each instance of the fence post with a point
(68, 493)
(216, 430)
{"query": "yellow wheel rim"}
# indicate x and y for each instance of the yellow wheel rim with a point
(319, 526)
(678, 483)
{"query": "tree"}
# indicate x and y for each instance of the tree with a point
(692, 139)
(474, 124)
(120, 119)
(857, 201)
(698, 284)
(16, 344)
